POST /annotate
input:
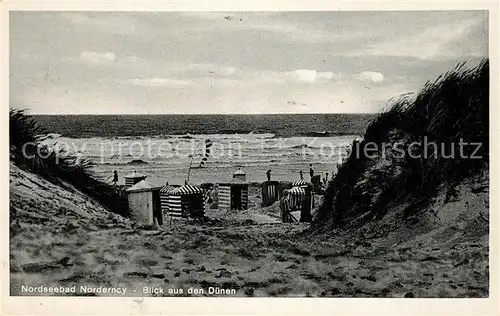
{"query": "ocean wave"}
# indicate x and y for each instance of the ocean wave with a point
(42, 137)
(137, 162)
(301, 146)
(224, 134)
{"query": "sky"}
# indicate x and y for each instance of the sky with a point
(233, 62)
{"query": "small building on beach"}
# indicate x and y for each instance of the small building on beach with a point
(240, 175)
(164, 197)
(297, 195)
(301, 199)
(270, 192)
(300, 183)
(182, 201)
(133, 178)
(233, 194)
(298, 192)
(144, 203)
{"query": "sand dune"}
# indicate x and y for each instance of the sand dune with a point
(59, 237)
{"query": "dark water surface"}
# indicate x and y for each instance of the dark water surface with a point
(284, 125)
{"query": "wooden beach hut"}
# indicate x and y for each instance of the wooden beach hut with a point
(233, 194)
(144, 203)
(180, 202)
(164, 197)
(133, 178)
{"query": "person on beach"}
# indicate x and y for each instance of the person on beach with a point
(284, 206)
(208, 196)
(311, 171)
(301, 175)
(268, 174)
(115, 177)
(325, 180)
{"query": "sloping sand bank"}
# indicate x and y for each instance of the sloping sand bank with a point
(60, 237)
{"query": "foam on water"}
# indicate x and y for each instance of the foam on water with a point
(167, 158)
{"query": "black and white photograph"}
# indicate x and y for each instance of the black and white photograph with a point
(275, 154)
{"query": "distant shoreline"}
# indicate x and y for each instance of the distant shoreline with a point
(207, 114)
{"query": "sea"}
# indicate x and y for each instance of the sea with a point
(197, 149)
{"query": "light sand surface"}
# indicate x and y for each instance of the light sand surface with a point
(59, 237)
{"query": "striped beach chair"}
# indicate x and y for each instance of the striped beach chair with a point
(183, 202)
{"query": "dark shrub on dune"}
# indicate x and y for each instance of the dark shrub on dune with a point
(29, 152)
(446, 112)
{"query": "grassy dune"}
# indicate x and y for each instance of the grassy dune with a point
(28, 151)
(453, 109)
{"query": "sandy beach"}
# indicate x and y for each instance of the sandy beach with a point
(248, 251)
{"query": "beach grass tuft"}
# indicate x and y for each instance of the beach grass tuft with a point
(452, 109)
(29, 152)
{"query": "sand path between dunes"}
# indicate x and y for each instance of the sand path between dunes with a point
(254, 260)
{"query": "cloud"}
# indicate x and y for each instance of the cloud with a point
(372, 76)
(311, 76)
(157, 82)
(306, 75)
(97, 58)
(298, 76)
(328, 75)
(141, 61)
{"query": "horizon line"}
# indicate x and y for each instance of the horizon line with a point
(185, 114)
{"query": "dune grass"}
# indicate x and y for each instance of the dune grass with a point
(28, 152)
(452, 109)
